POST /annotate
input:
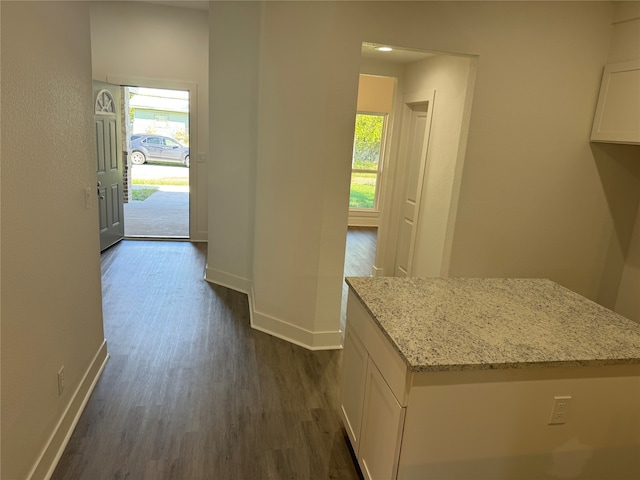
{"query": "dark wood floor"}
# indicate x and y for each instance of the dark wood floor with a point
(191, 392)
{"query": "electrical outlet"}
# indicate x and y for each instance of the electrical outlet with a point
(61, 380)
(560, 410)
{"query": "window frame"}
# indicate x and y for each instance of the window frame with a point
(378, 172)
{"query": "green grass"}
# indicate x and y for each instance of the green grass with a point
(141, 194)
(363, 190)
(178, 181)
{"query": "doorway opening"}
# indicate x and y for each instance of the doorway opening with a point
(413, 195)
(156, 176)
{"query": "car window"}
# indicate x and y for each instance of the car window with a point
(153, 140)
(171, 143)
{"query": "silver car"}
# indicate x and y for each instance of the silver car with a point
(146, 147)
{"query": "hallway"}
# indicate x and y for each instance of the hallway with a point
(192, 392)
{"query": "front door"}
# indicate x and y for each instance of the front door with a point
(108, 163)
(416, 158)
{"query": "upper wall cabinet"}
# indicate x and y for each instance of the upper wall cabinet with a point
(617, 117)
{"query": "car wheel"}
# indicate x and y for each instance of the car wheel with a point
(138, 158)
(186, 161)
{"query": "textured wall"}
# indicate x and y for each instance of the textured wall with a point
(51, 299)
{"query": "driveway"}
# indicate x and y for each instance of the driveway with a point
(163, 214)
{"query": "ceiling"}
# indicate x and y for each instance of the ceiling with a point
(397, 55)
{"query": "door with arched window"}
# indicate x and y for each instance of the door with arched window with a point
(108, 160)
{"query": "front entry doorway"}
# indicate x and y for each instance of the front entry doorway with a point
(157, 131)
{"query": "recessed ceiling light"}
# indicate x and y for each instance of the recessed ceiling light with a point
(384, 49)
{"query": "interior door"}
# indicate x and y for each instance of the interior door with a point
(416, 159)
(108, 163)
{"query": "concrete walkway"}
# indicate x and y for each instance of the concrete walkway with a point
(165, 214)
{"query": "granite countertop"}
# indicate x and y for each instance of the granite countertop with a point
(441, 324)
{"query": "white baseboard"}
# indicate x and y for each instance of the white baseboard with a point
(328, 340)
(50, 455)
(364, 221)
(228, 280)
(198, 238)
(331, 340)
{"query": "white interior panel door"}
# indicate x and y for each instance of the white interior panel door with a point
(416, 159)
(108, 160)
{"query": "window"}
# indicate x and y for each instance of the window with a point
(366, 165)
(153, 141)
(170, 143)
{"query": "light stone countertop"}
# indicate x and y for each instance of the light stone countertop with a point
(443, 324)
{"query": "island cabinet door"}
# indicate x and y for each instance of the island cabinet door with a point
(354, 375)
(382, 423)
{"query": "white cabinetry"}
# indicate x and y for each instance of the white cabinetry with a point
(444, 419)
(382, 421)
(373, 395)
(617, 118)
(354, 375)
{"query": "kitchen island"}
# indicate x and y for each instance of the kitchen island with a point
(488, 378)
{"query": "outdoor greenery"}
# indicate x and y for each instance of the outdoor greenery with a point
(367, 141)
(182, 137)
(141, 194)
(178, 181)
(366, 155)
(363, 190)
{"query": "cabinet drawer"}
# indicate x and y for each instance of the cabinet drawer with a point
(387, 359)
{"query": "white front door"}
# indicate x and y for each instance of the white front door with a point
(415, 164)
(108, 163)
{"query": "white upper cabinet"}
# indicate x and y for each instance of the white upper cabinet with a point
(617, 118)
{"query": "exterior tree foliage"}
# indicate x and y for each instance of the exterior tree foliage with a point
(367, 141)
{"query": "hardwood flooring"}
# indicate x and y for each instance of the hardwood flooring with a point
(361, 251)
(359, 259)
(191, 392)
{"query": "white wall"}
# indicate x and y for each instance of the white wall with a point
(532, 200)
(376, 94)
(51, 297)
(450, 77)
(233, 49)
(305, 140)
(628, 299)
(625, 46)
(164, 47)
